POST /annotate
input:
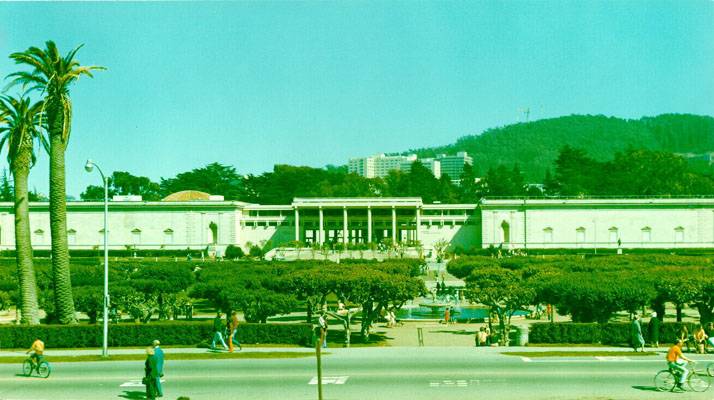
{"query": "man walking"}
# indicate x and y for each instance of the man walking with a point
(217, 335)
(654, 330)
(233, 330)
(159, 358)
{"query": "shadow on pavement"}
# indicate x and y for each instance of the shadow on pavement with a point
(133, 394)
(646, 388)
(459, 332)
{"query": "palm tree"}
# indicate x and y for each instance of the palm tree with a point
(53, 74)
(19, 127)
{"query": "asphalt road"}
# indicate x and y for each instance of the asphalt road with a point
(360, 374)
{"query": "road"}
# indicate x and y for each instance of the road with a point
(359, 374)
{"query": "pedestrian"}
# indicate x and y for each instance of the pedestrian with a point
(217, 328)
(684, 336)
(482, 337)
(159, 357)
(700, 339)
(447, 315)
(636, 331)
(150, 374)
(654, 329)
(710, 332)
(322, 321)
(232, 341)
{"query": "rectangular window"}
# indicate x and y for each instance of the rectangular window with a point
(646, 235)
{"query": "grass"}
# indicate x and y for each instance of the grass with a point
(537, 354)
(169, 356)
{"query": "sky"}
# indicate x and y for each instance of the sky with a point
(253, 84)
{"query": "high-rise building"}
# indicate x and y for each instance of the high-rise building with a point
(453, 166)
(378, 166)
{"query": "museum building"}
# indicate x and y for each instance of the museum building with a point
(197, 220)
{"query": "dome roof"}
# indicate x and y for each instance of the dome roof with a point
(187, 195)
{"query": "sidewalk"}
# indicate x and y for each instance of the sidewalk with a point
(176, 350)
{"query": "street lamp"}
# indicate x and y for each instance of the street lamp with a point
(89, 167)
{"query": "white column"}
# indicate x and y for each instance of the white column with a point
(418, 223)
(369, 224)
(394, 225)
(344, 225)
(297, 225)
(321, 233)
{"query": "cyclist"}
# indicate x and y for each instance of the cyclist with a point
(37, 349)
(676, 362)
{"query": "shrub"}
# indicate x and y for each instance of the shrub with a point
(131, 334)
(614, 333)
(233, 252)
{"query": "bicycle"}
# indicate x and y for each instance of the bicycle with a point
(710, 369)
(698, 381)
(42, 368)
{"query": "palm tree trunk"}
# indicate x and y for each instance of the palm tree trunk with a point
(64, 304)
(23, 246)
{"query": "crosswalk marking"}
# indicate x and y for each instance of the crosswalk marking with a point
(326, 380)
(135, 383)
(449, 383)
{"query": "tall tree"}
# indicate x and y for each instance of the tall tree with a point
(5, 187)
(214, 178)
(124, 183)
(20, 127)
(53, 75)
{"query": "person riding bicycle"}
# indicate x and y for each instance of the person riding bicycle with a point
(37, 349)
(676, 362)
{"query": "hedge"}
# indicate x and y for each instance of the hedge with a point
(189, 333)
(612, 333)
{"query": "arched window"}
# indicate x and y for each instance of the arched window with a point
(646, 234)
(168, 236)
(678, 234)
(39, 236)
(71, 236)
(614, 235)
(136, 236)
(580, 235)
(548, 235)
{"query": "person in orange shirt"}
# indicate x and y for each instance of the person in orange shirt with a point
(37, 349)
(676, 362)
(233, 330)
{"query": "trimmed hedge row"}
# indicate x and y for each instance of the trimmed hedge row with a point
(611, 333)
(130, 334)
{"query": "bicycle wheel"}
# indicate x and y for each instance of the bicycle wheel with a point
(27, 368)
(44, 369)
(698, 382)
(710, 369)
(664, 381)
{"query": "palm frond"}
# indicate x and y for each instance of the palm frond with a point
(69, 58)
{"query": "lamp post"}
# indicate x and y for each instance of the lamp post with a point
(89, 167)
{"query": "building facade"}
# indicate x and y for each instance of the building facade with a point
(511, 223)
(453, 166)
(379, 166)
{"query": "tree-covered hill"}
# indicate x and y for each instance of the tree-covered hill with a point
(535, 145)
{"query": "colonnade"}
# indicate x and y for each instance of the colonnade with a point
(321, 237)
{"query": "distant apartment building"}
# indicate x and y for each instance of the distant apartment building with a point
(453, 166)
(379, 165)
